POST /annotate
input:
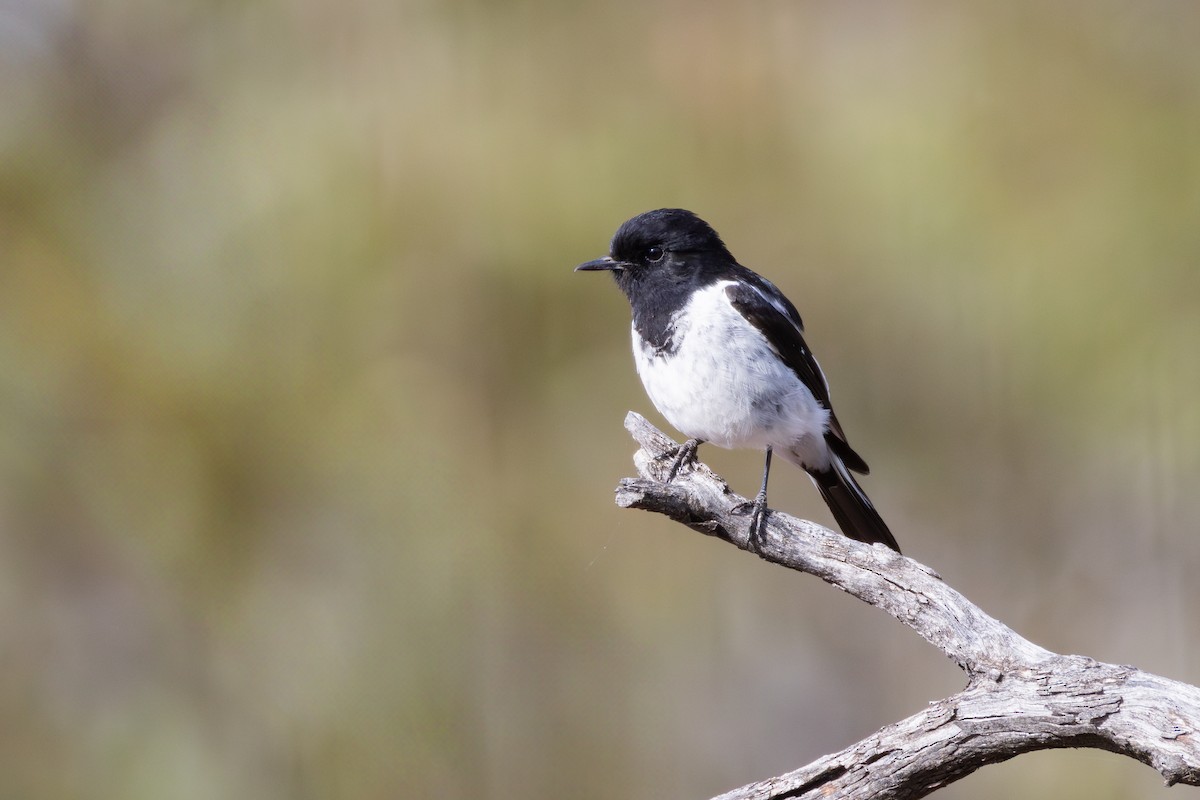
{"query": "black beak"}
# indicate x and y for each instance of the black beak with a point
(600, 264)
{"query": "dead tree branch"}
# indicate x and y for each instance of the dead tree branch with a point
(1019, 697)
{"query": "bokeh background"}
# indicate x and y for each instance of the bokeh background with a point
(308, 433)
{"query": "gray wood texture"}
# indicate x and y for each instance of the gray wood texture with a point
(1019, 697)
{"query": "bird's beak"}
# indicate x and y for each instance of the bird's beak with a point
(600, 264)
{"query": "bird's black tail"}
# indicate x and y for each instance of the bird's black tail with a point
(850, 505)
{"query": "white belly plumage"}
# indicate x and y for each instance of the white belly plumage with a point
(724, 384)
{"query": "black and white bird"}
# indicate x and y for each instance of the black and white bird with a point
(722, 355)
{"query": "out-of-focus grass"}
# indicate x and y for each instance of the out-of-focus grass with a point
(307, 431)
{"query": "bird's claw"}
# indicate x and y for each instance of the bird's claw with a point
(758, 511)
(683, 454)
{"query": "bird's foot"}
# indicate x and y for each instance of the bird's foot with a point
(684, 454)
(758, 511)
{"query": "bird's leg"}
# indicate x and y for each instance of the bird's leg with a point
(758, 508)
(684, 454)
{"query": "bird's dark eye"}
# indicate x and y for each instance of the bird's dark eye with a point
(654, 254)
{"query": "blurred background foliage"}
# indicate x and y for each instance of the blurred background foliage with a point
(308, 432)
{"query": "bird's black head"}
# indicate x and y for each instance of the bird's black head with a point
(658, 250)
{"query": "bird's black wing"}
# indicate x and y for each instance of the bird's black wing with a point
(783, 333)
(766, 308)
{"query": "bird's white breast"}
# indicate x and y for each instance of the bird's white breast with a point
(724, 384)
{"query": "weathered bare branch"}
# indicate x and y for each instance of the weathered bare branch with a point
(1019, 696)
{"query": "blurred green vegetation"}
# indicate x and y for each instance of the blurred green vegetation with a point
(308, 432)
